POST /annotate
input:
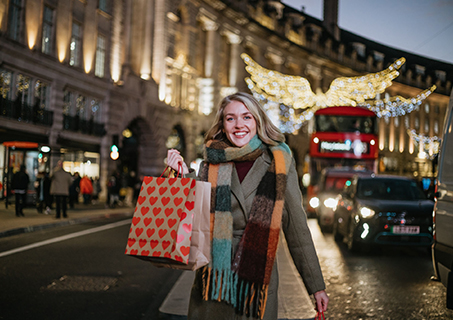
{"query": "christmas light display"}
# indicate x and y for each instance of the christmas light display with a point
(430, 144)
(296, 91)
(396, 106)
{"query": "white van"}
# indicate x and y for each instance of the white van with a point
(442, 250)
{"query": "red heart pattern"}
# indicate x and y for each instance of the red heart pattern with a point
(153, 234)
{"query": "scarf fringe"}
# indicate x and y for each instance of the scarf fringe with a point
(246, 297)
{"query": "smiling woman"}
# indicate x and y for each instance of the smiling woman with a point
(256, 194)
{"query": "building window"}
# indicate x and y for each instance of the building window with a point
(42, 94)
(103, 5)
(95, 110)
(23, 89)
(81, 107)
(406, 121)
(360, 48)
(436, 126)
(426, 126)
(47, 30)
(426, 108)
(417, 123)
(5, 83)
(15, 13)
(397, 122)
(76, 41)
(441, 75)
(420, 70)
(67, 103)
(100, 57)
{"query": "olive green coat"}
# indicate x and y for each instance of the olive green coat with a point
(297, 234)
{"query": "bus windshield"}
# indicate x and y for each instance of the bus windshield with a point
(331, 123)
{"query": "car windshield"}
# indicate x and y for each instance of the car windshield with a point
(389, 189)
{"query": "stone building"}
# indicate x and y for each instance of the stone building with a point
(77, 76)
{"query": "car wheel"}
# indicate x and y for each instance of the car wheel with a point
(352, 244)
(336, 234)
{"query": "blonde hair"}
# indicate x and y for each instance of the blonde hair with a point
(265, 129)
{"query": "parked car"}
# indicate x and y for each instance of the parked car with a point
(383, 210)
(331, 183)
(442, 250)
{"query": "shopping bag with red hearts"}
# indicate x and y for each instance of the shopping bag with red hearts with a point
(162, 223)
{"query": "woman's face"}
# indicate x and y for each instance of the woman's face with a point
(238, 123)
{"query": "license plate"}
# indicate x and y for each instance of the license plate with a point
(406, 229)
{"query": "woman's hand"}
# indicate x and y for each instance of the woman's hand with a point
(173, 158)
(321, 300)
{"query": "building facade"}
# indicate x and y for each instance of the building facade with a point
(77, 76)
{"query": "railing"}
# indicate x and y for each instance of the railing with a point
(74, 123)
(25, 113)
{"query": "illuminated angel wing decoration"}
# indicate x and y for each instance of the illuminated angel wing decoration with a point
(296, 92)
(278, 87)
(397, 105)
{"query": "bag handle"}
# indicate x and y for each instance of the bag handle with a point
(180, 170)
(319, 315)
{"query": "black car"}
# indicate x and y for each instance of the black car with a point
(383, 210)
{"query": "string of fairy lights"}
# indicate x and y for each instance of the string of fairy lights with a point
(289, 100)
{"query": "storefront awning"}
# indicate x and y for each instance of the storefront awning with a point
(21, 144)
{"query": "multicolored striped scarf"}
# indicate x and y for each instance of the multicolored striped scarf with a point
(244, 280)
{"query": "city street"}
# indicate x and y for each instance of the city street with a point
(86, 277)
(390, 283)
(82, 273)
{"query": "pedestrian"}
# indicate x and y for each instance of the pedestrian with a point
(255, 194)
(96, 190)
(113, 187)
(59, 188)
(20, 185)
(44, 203)
(74, 190)
(86, 189)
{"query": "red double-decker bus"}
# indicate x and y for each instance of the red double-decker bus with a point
(343, 137)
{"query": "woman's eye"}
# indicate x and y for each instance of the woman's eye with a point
(229, 119)
(247, 117)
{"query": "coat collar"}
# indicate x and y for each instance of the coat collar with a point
(251, 180)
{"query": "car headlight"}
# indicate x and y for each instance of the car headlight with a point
(314, 202)
(331, 203)
(366, 212)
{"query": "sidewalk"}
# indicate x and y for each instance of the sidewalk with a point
(33, 221)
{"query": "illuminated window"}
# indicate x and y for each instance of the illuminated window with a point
(426, 108)
(74, 49)
(42, 94)
(426, 126)
(406, 121)
(436, 126)
(95, 110)
(80, 106)
(47, 30)
(5, 83)
(23, 88)
(67, 103)
(100, 57)
(397, 122)
(14, 21)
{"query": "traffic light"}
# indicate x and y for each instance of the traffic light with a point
(114, 151)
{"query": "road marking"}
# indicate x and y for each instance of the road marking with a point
(65, 237)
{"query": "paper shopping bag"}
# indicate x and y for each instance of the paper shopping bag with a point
(162, 223)
(200, 239)
(200, 244)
